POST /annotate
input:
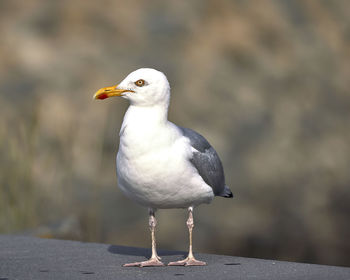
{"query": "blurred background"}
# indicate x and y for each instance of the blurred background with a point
(266, 82)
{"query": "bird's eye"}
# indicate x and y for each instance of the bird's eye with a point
(140, 83)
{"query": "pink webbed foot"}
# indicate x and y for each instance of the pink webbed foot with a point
(150, 262)
(188, 262)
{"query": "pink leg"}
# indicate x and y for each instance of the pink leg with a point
(155, 259)
(190, 260)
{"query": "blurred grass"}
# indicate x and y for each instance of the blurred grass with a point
(267, 82)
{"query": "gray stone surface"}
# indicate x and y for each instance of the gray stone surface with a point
(34, 258)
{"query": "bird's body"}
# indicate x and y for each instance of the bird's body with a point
(159, 164)
(153, 163)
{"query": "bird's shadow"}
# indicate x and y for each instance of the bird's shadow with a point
(133, 251)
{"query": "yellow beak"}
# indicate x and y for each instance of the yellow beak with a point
(106, 92)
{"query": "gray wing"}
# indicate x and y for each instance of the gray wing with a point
(207, 163)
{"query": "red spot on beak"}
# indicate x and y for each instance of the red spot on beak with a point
(102, 96)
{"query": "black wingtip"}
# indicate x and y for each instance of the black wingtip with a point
(227, 193)
(230, 195)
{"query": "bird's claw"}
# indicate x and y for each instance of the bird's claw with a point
(188, 262)
(150, 262)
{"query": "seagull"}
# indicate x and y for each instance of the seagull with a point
(161, 165)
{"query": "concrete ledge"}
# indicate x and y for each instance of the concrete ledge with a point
(34, 258)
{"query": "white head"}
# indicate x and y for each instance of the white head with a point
(143, 87)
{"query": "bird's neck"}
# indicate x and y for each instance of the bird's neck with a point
(143, 118)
